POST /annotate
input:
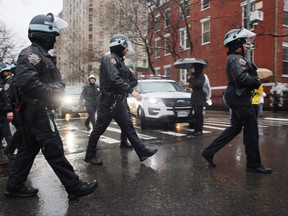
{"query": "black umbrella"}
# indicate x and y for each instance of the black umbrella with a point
(188, 63)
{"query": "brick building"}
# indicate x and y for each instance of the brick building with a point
(207, 22)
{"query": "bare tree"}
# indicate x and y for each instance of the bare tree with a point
(7, 44)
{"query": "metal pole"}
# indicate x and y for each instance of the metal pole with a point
(248, 11)
(275, 41)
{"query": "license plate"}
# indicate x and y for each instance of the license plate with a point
(182, 114)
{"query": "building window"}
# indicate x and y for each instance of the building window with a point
(157, 23)
(183, 76)
(167, 71)
(285, 59)
(205, 4)
(90, 17)
(184, 8)
(90, 27)
(184, 42)
(205, 30)
(167, 17)
(285, 14)
(167, 44)
(157, 71)
(90, 7)
(90, 37)
(244, 13)
(157, 47)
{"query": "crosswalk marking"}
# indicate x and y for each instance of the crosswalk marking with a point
(141, 136)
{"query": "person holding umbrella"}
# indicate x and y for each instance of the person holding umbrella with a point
(242, 79)
(198, 97)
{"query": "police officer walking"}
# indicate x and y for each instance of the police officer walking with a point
(90, 95)
(9, 93)
(41, 89)
(114, 88)
(4, 123)
(242, 79)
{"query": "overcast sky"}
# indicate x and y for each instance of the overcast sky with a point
(16, 15)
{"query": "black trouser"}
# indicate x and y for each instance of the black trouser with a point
(17, 136)
(41, 135)
(104, 118)
(198, 117)
(242, 115)
(5, 127)
(91, 110)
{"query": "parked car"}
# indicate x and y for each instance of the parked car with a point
(70, 103)
(163, 101)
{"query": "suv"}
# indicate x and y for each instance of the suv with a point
(70, 103)
(163, 101)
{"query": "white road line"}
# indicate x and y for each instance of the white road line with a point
(141, 136)
(171, 133)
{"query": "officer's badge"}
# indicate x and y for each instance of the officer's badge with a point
(113, 61)
(6, 86)
(242, 62)
(34, 58)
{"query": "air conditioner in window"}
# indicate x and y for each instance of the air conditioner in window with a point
(256, 16)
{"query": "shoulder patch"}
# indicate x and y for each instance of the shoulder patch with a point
(113, 61)
(34, 58)
(6, 86)
(242, 62)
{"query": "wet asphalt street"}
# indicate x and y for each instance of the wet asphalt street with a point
(175, 181)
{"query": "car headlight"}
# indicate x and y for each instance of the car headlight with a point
(67, 100)
(157, 101)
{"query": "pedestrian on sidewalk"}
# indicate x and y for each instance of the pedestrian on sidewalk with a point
(41, 90)
(261, 103)
(242, 79)
(114, 87)
(256, 99)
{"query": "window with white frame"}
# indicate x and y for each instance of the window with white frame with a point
(167, 17)
(285, 13)
(157, 71)
(285, 59)
(157, 47)
(157, 23)
(205, 30)
(205, 4)
(167, 44)
(184, 8)
(183, 76)
(167, 69)
(184, 42)
(244, 13)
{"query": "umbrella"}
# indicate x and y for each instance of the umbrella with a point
(188, 63)
(264, 73)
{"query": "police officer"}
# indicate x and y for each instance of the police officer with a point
(10, 110)
(4, 123)
(114, 88)
(90, 95)
(40, 85)
(242, 80)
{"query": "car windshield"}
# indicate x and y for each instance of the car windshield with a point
(145, 87)
(73, 90)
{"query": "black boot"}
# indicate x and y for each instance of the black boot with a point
(84, 190)
(94, 160)
(148, 153)
(22, 192)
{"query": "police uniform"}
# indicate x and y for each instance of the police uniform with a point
(237, 97)
(40, 86)
(114, 88)
(10, 93)
(4, 124)
(90, 94)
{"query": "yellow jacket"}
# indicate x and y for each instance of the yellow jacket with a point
(257, 95)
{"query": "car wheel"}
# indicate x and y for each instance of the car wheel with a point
(142, 119)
